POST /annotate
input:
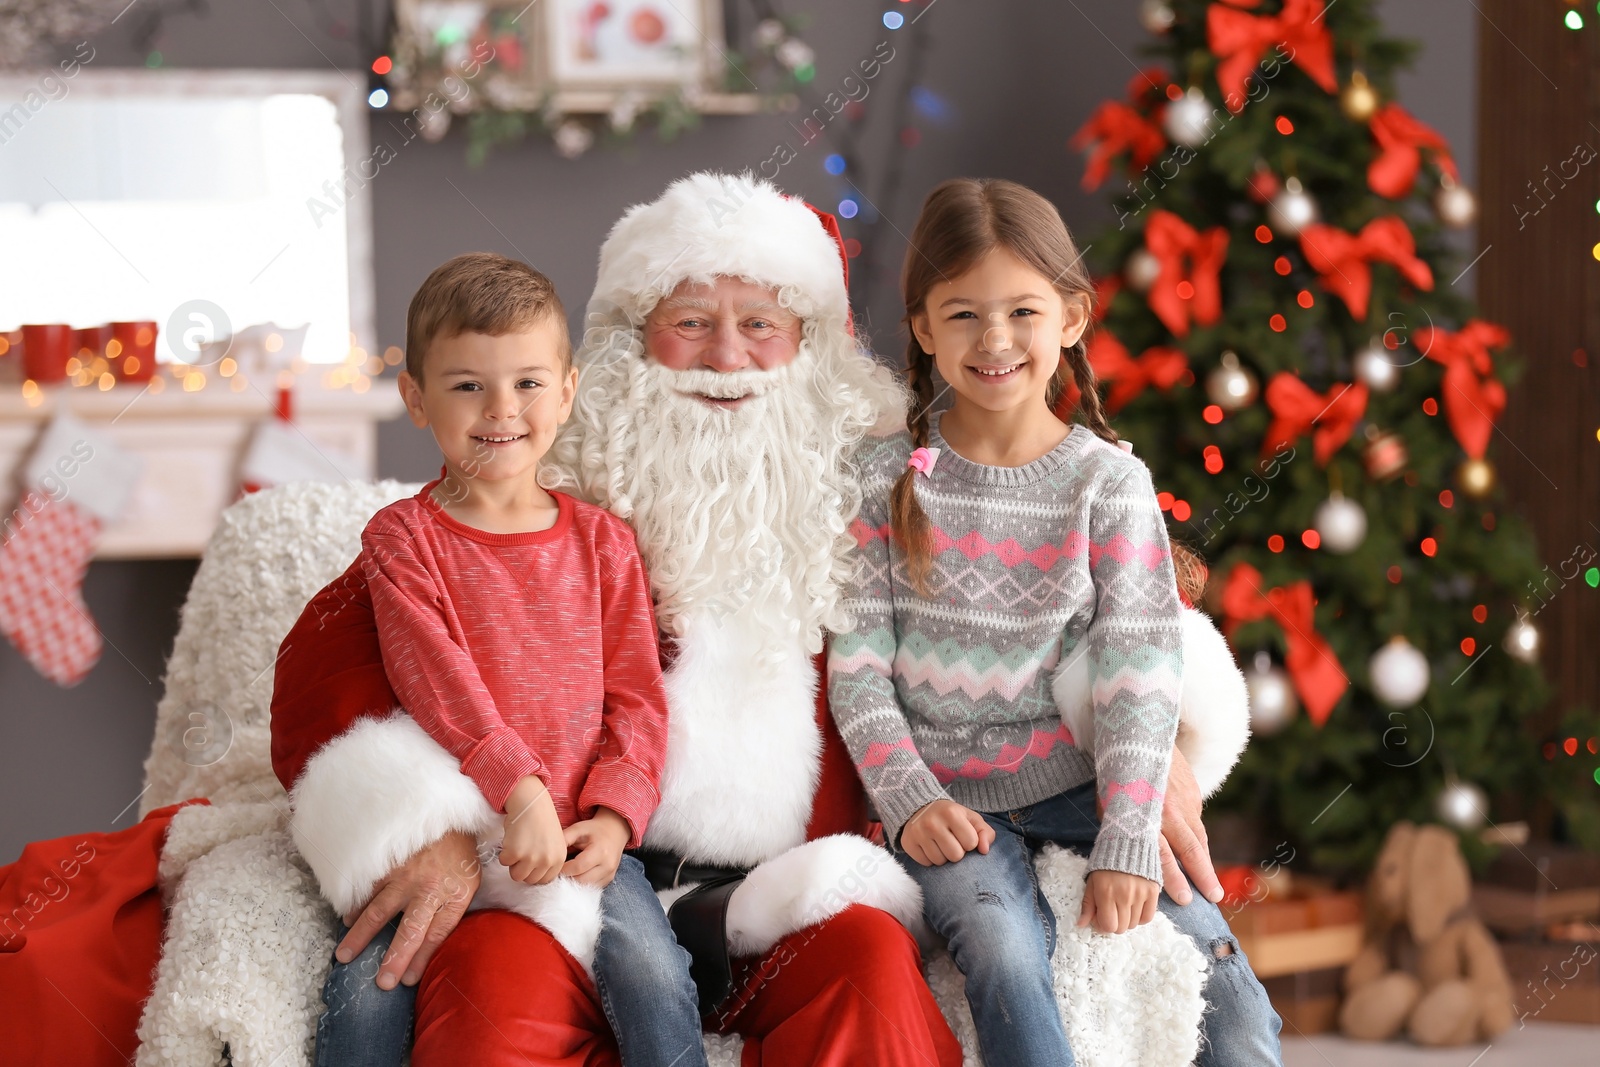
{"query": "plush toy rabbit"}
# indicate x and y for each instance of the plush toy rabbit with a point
(1427, 965)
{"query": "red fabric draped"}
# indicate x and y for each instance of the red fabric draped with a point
(80, 935)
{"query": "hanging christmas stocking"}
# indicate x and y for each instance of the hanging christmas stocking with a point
(74, 483)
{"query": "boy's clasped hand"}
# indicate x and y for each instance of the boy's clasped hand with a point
(536, 845)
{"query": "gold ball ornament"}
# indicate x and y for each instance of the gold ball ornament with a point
(1359, 100)
(1476, 477)
(1231, 386)
(1454, 204)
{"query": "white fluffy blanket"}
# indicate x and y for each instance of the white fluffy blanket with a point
(248, 937)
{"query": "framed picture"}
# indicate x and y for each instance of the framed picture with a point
(632, 44)
(463, 52)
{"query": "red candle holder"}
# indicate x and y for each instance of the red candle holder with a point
(45, 351)
(135, 358)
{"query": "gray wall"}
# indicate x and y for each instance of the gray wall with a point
(1021, 75)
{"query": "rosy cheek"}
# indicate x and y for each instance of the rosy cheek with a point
(672, 350)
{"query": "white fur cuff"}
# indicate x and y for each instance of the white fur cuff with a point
(814, 882)
(373, 796)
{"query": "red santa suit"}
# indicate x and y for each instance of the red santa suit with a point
(756, 777)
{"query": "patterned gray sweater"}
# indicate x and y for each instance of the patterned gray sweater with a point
(949, 695)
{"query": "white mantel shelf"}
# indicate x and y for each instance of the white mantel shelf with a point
(191, 445)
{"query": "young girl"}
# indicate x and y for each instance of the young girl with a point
(995, 542)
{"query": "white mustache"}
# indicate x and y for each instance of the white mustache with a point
(724, 385)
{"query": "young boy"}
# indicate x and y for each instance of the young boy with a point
(517, 630)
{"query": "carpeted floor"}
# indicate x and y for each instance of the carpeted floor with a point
(1537, 1045)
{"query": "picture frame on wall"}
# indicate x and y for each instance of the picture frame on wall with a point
(632, 45)
(468, 52)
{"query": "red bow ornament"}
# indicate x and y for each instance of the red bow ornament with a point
(1400, 136)
(1473, 396)
(1298, 409)
(1239, 39)
(1188, 287)
(1115, 128)
(1343, 260)
(1160, 367)
(1310, 661)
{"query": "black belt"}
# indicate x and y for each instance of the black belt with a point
(699, 918)
(668, 870)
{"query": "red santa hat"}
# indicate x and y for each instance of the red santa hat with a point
(711, 224)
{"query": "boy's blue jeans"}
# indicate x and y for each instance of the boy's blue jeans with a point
(640, 971)
(1002, 934)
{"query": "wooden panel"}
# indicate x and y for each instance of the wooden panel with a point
(1537, 120)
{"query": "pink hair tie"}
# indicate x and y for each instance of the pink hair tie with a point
(922, 460)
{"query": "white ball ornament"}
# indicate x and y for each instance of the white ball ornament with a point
(1157, 16)
(1231, 386)
(1462, 805)
(1188, 119)
(1454, 204)
(1522, 641)
(1376, 368)
(1399, 673)
(1342, 524)
(1272, 700)
(1142, 269)
(1292, 210)
(573, 139)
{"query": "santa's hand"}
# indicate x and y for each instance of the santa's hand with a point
(1184, 846)
(601, 840)
(432, 889)
(943, 832)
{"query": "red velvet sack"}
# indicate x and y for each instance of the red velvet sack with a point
(80, 935)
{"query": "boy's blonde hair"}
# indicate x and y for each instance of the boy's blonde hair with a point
(480, 292)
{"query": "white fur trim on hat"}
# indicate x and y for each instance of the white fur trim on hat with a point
(711, 224)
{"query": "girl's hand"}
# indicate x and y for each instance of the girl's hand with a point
(534, 846)
(1116, 902)
(944, 831)
(601, 840)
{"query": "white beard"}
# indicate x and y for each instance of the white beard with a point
(738, 512)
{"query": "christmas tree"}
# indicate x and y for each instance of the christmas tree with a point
(1280, 339)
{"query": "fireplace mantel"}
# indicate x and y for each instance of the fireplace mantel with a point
(191, 445)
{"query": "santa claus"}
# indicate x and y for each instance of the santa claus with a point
(722, 394)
